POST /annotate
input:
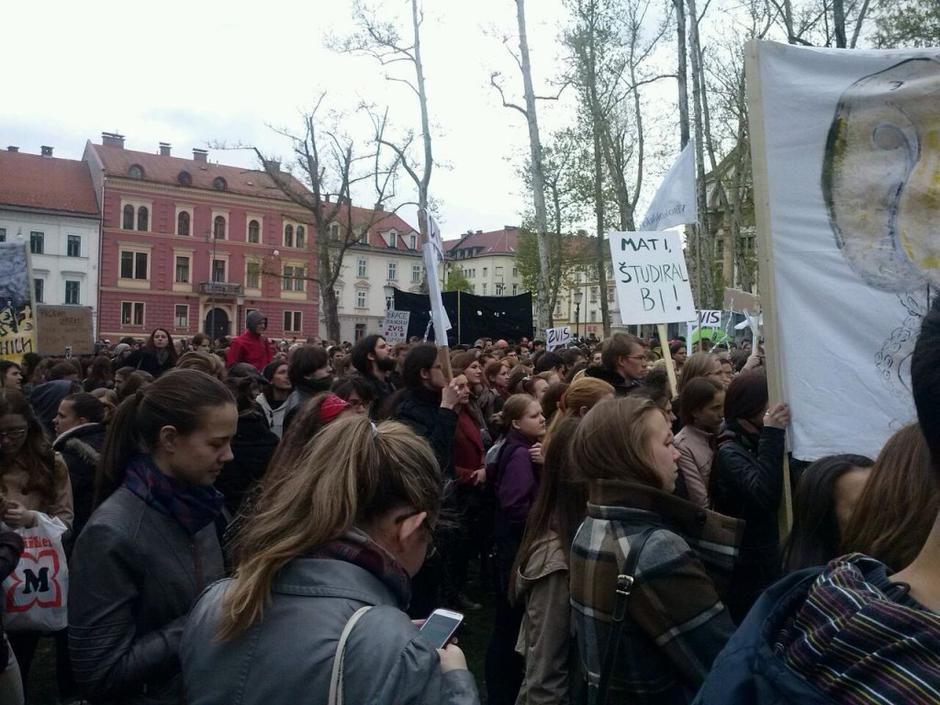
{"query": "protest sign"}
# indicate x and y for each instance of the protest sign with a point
(395, 326)
(432, 260)
(740, 301)
(17, 320)
(710, 319)
(557, 337)
(675, 202)
(843, 147)
(65, 327)
(651, 276)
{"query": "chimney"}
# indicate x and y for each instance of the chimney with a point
(326, 197)
(46, 150)
(200, 155)
(112, 139)
(13, 148)
(164, 149)
(272, 165)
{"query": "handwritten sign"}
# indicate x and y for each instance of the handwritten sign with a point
(65, 329)
(651, 276)
(709, 319)
(395, 326)
(17, 321)
(557, 337)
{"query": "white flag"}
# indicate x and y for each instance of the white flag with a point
(675, 202)
(434, 234)
(432, 259)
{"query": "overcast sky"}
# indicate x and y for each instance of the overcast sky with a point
(197, 72)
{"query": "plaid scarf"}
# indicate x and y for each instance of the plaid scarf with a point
(192, 506)
(356, 547)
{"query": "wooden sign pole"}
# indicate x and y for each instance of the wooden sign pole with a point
(667, 356)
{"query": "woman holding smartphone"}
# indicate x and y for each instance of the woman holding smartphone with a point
(324, 570)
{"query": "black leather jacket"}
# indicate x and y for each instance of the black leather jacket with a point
(135, 575)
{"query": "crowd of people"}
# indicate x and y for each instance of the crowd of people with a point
(259, 522)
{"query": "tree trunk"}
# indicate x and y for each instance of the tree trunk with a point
(683, 74)
(599, 212)
(327, 292)
(838, 22)
(538, 177)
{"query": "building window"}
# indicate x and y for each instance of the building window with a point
(334, 232)
(128, 222)
(515, 272)
(299, 236)
(293, 321)
(136, 171)
(413, 241)
(393, 239)
(143, 219)
(219, 184)
(361, 298)
(72, 292)
(38, 290)
(182, 223)
(218, 270)
(182, 270)
(3, 234)
(288, 236)
(593, 316)
(253, 275)
(486, 271)
(181, 316)
(218, 227)
(133, 265)
(416, 274)
(293, 278)
(132, 313)
(515, 289)
(499, 289)
(74, 246)
(484, 288)
(184, 178)
(361, 268)
(359, 332)
(610, 294)
(37, 243)
(254, 231)
(593, 294)
(393, 271)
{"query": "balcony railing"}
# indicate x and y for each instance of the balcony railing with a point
(231, 289)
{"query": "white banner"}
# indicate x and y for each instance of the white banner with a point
(850, 155)
(652, 281)
(395, 326)
(709, 319)
(557, 337)
(438, 313)
(434, 234)
(675, 202)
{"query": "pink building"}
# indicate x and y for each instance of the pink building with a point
(192, 246)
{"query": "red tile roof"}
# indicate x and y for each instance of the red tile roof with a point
(496, 242)
(46, 183)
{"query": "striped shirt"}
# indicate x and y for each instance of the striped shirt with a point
(862, 640)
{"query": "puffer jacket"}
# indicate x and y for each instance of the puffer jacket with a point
(287, 656)
(135, 575)
(747, 483)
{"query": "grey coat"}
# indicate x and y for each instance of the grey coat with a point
(135, 574)
(287, 657)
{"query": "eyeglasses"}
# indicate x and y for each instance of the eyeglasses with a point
(14, 434)
(432, 547)
(635, 357)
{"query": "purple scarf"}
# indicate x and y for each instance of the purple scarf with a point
(357, 548)
(192, 506)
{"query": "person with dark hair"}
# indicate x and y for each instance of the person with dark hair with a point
(251, 346)
(823, 503)
(747, 483)
(551, 362)
(623, 363)
(11, 375)
(45, 399)
(100, 374)
(701, 410)
(273, 395)
(372, 358)
(201, 343)
(679, 352)
(66, 370)
(156, 356)
(150, 548)
(134, 382)
(356, 392)
(80, 430)
(309, 373)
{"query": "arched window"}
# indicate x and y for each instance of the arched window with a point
(182, 223)
(143, 219)
(218, 228)
(184, 178)
(218, 183)
(288, 236)
(254, 231)
(136, 171)
(128, 223)
(300, 236)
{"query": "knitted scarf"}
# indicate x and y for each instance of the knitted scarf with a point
(192, 506)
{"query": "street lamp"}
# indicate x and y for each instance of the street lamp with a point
(578, 296)
(389, 296)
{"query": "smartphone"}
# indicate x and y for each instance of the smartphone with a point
(440, 627)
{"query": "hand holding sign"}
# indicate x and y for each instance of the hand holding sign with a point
(652, 281)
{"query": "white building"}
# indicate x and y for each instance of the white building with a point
(50, 204)
(488, 261)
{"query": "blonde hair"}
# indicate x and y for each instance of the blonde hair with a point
(585, 391)
(203, 362)
(350, 474)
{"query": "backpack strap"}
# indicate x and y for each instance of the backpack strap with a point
(336, 676)
(625, 582)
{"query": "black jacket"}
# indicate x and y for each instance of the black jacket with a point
(252, 446)
(146, 360)
(747, 483)
(135, 575)
(380, 390)
(81, 448)
(622, 387)
(11, 547)
(421, 409)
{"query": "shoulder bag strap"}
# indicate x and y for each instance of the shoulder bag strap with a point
(625, 583)
(336, 676)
